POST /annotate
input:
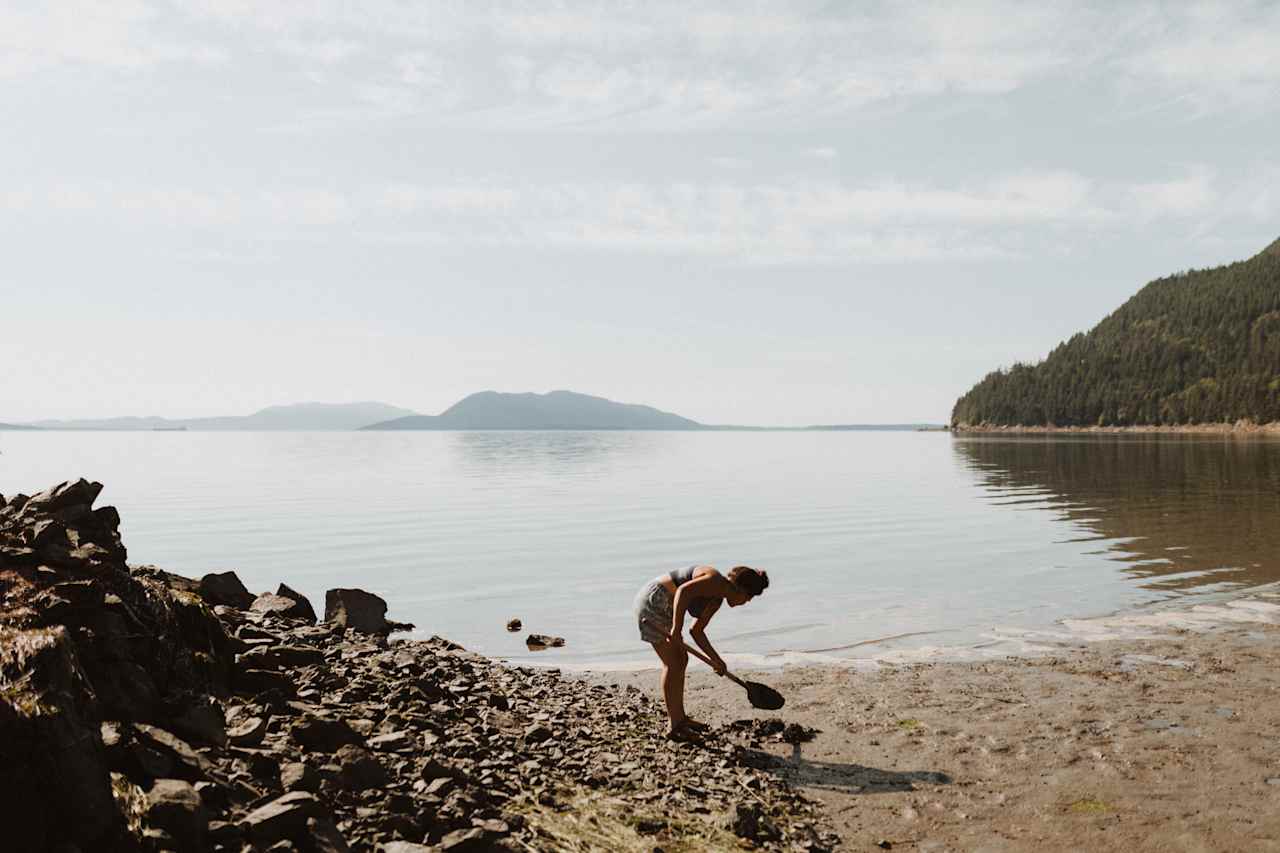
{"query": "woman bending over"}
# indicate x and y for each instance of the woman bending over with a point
(660, 610)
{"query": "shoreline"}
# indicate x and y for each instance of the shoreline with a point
(1239, 428)
(1148, 733)
(145, 711)
(995, 642)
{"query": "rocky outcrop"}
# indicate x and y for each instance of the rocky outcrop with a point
(225, 588)
(360, 611)
(137, 715)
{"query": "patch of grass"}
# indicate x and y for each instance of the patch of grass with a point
(1089, 805)
(909, 724)
(588, 821)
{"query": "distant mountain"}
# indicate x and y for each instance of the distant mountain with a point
(16, 426)
(298, 416)
(555, 410)
(1193, 348)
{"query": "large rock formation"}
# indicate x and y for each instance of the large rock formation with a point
(136, 715)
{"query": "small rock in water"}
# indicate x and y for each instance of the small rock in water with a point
(514, 625)
(543, 641)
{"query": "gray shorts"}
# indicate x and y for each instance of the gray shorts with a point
(653, 605)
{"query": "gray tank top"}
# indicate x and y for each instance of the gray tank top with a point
(683, 576)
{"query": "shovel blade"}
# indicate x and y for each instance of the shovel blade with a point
(764, 697)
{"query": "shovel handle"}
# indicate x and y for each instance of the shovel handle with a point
(727, 674)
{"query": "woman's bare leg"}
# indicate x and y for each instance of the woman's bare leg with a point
(675, 660)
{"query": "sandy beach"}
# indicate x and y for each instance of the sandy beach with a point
(1147, 731)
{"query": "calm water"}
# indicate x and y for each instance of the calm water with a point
(866, 535)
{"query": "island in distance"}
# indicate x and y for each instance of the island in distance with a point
(485, 410)
(573, 411)
(554, 410)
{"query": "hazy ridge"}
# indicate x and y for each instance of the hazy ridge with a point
(304, 416)
(484, 410)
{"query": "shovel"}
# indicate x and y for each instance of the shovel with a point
(759, 695)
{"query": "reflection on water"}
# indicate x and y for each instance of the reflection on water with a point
(1183, 512)
(560, 450)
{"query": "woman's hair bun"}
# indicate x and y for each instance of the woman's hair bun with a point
(754, 581)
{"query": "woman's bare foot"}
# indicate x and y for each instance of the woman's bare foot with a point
(696, 725)
(683, 731)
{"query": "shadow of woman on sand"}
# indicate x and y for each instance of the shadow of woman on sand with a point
(836, 776)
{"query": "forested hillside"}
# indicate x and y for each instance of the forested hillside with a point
(1197, 347)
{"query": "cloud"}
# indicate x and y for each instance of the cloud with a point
(734, 221)
(740, 223)
(123, 35)
(665, 63)
(822, 153)
(1212, 56)
(1185, 196)
(323, 51)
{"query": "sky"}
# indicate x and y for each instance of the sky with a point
(755, 213)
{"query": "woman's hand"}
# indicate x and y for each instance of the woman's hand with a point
(719, 665)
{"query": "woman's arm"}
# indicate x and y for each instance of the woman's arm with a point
(709, 585)
(698, 632)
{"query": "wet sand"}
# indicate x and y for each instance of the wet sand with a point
(1156, 731)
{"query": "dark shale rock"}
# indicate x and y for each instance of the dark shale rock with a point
(466, 841)
(64, 495)
(356, 609)
(749, 822)
(392, 742)
(296, 776)
(255, 682)
(225, 588)
(321, 734)
(247, 732)
(323, 836)
(302, 609)
(280, 657)
(543, 641)
(203, 722)
(276, 605)
(359, 769)
(186, 763)
(216, 798)
(174, 806)
(514, 625)
(283, 817)
(225, 833)
(54, 783)
(537, 733)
